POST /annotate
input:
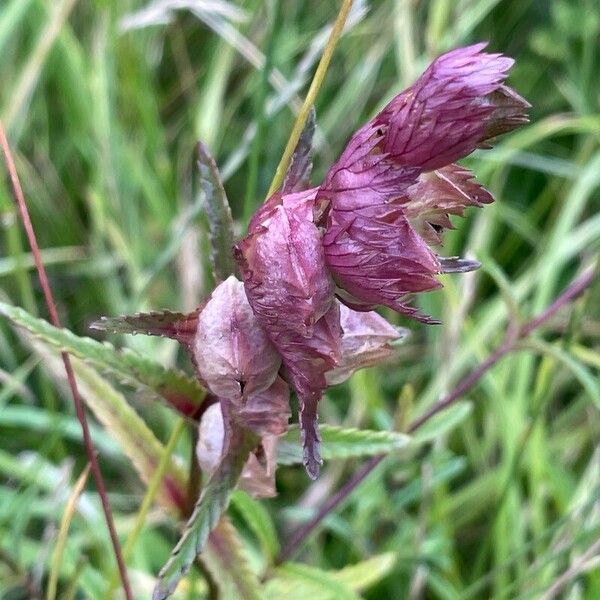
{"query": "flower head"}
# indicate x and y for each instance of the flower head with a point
(364, 235)
(391, 191)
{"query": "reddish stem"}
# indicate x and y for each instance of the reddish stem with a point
(87, 439)
(576, 288)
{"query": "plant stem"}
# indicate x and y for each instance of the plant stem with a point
(311, 96)
(43, 277)
(576, 288)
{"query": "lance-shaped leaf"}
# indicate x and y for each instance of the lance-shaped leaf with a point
(181, 392)
(297, 177)
(121, 422)
(145, 451)
(341, 443)
(220, 221)
(177, 326)
(207, 512)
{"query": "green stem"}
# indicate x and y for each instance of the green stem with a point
(311, 96)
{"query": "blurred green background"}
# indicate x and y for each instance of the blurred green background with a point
(104, 101)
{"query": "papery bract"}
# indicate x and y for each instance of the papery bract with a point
(438, 194)
(238, 363)
(367, 339)
(258, 476)
(292, 295)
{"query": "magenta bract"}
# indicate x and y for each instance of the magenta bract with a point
(292, 295)
(364, 236)
(238, 363)
(367, 339)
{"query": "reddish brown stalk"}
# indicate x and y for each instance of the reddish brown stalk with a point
(87, 439)
(577, 287)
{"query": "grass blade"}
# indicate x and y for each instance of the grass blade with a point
(225, 558)
(63, 531)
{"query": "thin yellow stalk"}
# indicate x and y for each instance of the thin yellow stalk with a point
(151, 492)
(63, 531)
(311, 96)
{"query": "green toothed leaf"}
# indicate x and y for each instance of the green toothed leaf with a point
(207, 512)
(164, 323)
(121, 422)
(180, 391)
(339, 443)
(220, 221)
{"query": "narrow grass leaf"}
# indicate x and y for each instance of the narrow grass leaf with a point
(208, 510)
(30, 74)
(364, 574)
(179, 391)
(61, 540)
(10, 21)
(443, 422)
(259, 520)
(340, 443)
(294, 581)
(226, 559)
(149, 497)
(581, 373)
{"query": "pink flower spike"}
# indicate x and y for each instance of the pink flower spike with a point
(458, 104)
(381, 206)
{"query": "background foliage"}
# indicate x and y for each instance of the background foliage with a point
(104, 106)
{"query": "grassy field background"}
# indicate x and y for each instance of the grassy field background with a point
(104, 101)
